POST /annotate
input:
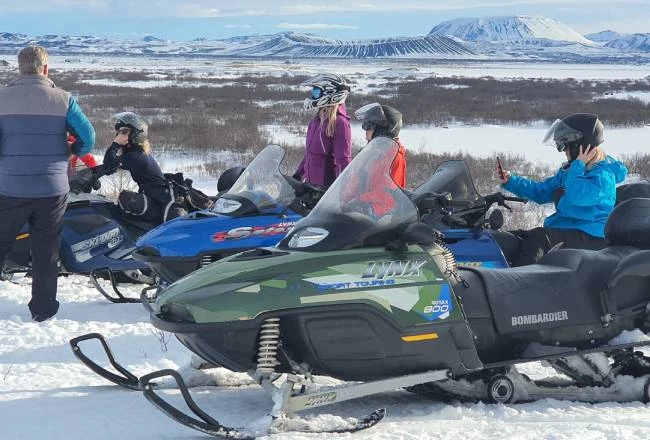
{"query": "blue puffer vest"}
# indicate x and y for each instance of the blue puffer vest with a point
(33, 148)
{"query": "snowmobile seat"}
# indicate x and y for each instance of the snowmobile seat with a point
(570, 284)
(565, 285)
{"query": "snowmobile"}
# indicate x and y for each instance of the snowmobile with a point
(458, 210)
(361, 290)
(97, 239)
(258, 210)
(264, 204)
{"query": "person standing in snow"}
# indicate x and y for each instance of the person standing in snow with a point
(583, 190)
(35, 118)
(328, 147)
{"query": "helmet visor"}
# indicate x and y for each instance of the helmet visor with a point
(316, 92)
(560, 135)
(371, 113)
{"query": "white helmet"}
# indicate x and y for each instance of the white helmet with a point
(327, 89)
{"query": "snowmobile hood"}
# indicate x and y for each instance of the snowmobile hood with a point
(204, 231)
(254, 282)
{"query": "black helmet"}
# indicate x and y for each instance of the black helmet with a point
(385, 120)
(575, 130)
(328, 89)
(228, 178)
(132, 121)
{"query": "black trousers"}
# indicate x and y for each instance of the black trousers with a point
(45, 219)
(523, 247)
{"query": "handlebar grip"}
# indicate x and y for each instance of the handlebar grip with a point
(515, 199)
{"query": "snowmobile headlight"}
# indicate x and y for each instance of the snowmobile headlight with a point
(225, 206)
(307, 237)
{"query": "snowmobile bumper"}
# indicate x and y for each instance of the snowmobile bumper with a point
(169, 269)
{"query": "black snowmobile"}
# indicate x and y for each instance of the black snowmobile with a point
(366, 294)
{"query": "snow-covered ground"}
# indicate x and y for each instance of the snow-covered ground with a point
(45, 393)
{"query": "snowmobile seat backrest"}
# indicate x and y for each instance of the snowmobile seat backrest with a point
(629, 224)
(632, 191)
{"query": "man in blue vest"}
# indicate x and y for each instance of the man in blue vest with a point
(35, 118)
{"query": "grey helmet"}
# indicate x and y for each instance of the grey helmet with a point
(327, 89)
(574, 130)
(384, 119)
(139, 128)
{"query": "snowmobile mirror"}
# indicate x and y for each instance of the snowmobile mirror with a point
(495, 220)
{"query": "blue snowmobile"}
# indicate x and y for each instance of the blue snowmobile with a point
(258, 210)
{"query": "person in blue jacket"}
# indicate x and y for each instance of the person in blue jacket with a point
(35, 119)
(583, 190)
(154, 202)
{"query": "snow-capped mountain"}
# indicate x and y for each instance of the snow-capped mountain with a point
(631, 43)
(508, 28)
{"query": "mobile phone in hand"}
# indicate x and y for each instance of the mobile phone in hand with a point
(500, 169)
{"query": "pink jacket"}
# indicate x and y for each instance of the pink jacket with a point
(325, 157)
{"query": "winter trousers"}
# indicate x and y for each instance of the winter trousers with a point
(45, 219)
(524, 247)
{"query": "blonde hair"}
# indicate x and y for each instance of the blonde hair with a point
(31, 60)
(598, 157)
(146, 146)
(328, 115)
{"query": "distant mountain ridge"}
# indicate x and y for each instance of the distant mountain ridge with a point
(517, 37)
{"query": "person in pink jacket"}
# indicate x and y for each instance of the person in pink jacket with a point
(328, 148)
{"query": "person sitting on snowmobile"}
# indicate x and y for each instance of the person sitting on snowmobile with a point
(382, 120)
(155, 201)
(583, 190)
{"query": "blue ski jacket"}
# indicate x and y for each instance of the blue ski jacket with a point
(587, 195)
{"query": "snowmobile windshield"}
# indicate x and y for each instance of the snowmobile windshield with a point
(363, 207)
(260, 188)
(453, 180)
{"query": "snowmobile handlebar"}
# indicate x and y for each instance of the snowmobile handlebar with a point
(501, 199)
(434, 201)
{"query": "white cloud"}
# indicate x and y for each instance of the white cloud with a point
(314, 26)
(239, 26)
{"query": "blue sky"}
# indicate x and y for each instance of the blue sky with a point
(184, 20)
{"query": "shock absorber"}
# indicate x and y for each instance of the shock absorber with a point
(267, 353)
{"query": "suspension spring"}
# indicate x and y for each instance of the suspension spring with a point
(205, 260)
(268, 346)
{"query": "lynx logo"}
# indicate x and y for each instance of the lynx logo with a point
(385, 269)
(540, 318)
(320, 399)
(82, 249)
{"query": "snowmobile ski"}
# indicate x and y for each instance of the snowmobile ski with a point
(119, 297)
(291, 404)
(126, 380)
